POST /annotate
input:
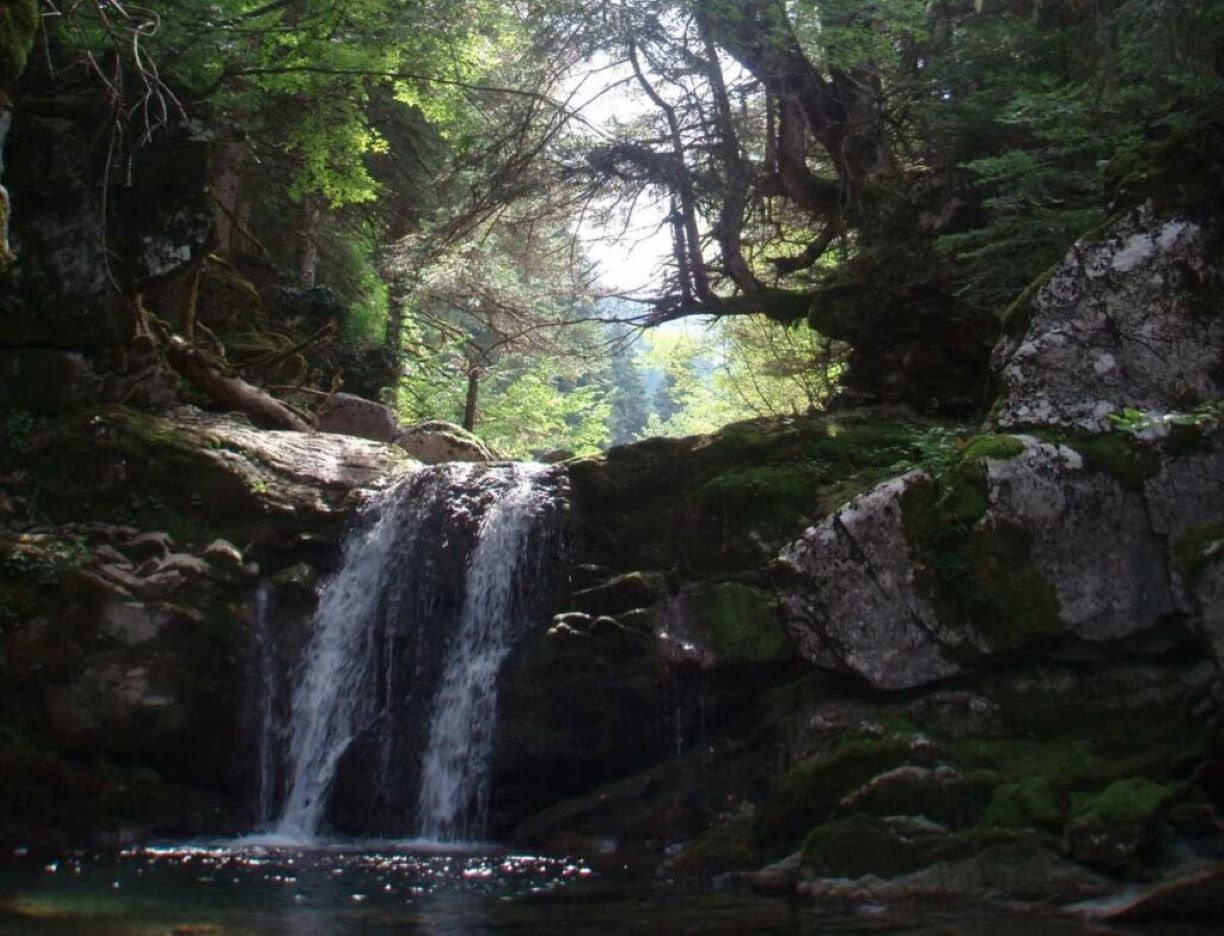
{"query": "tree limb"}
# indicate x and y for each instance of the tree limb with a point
(232, 392)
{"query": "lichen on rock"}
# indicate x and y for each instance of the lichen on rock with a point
(1125, 321)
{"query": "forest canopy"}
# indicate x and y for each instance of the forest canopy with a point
(850, 194)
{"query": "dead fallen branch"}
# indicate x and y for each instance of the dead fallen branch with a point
(232, 392)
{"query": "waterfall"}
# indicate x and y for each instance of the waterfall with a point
(454, 797)
(394, 701)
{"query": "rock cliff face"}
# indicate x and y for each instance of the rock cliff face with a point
(131, 553)
(921, 661)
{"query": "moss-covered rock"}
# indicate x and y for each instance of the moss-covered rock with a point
(19, 21)
(738, 623)
(1130, 461)
(1197, 549)
(621, 593)
(724, 502)
(979, 574)
(807, 794)
(1114, 827)
(1135, 799)
(198, 477)
(858, 846)
(1031, 802)
(941, 794)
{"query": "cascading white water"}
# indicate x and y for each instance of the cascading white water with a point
(434, 582)
(328, 699)
(454, 793)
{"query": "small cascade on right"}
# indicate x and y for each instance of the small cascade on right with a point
(454, 797)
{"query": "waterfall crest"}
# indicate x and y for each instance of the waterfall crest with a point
(394, 701)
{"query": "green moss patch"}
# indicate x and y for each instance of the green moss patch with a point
(765, 493)
(19, 21)
(726, 501)
(1118, 455)
(809, 791)
(991, 446)
(977, 574)
(726, 845)
(1060, 764)
(862, 845)
(1031, 802)
(740, 622)
(1127, 801)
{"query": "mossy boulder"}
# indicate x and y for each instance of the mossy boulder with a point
(858, 846)
(722, 503)
(1114, 827)
(738, 623)
(1012, 542)
(941, 794)
(1031, 802)
(199, 476)
(436, 441)
(621, 593)
(1022, 869)
(1125, 322)
(1197, 550)
(19, 21)
(808, 792)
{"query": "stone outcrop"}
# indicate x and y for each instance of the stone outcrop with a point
(431, 442)
(1129, 319)
(1021, 541)
(999, 671)
(128, 594)
(350, 415)
(436, 441)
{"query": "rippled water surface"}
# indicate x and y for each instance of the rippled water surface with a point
(250, 888)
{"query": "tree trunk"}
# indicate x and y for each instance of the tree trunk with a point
(469, 405)
(227, 189)
(308, 263)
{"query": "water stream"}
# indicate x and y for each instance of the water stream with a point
(454, 796)
(394, 702)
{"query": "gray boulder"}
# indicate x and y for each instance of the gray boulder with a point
(436, 441)
(1077, 541)
(1129, 319)
(345, 414)
(853, 603)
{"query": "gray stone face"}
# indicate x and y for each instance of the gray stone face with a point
(1188, 493)
(346, 414)
(1130, 320)
(130, 622)
(1210, 597)
(113, 707)
(857, 596)
(853, 604)
(1092, 539)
